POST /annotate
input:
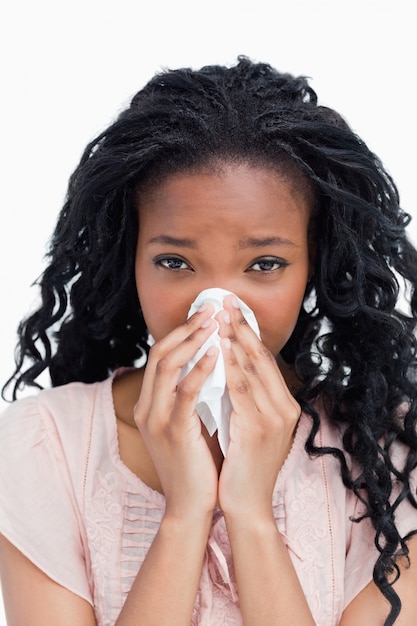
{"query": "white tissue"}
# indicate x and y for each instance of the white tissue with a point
(213, 402)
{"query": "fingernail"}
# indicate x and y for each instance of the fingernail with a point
(226, 343)
(235, 302)
(211, 351)
(206, 323)
(226, 317)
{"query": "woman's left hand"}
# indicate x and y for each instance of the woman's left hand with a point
(262, 422)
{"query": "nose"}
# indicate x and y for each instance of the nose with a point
(227, 285)
(231, 286)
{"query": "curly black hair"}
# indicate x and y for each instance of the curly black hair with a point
(353, 345)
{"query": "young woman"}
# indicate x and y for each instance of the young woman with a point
(117, 505)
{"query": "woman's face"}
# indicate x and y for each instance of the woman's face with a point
(242, 228)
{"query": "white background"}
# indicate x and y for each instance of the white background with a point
(68, 68)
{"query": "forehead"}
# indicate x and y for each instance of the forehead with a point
(243, 189)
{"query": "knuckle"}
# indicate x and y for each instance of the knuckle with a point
(249, 367)
(267, 354)
(162, 365)
(192, 331)
(201, 364)
(185, 390)
(191, 322)
(155, 352)
(241, 387)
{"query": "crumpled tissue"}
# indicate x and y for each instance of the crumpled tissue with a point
(213, 402)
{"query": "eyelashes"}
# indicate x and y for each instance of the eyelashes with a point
(268, 264)
(262, 265)
(172, 263)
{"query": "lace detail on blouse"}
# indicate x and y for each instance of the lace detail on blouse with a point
(103, 526)
(141, 523)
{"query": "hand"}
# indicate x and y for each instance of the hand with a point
(166, 418)
(262, 422)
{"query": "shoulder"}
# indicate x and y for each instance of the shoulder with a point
(53, 411)
(53, 428)
(72, 394)
(66, 404)
(45, 441)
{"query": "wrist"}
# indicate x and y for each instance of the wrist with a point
(261, 525)
(186, 522)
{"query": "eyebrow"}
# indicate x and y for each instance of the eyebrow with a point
(249, 242)
(253, 242)
(174, 241)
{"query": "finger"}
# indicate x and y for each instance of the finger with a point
(240, 389)
(248, 348)
(199, 320)
(177, 348)
(249, 353)
(258, 411)
(177, 406)
(256, 361)
(189, 387)
(234, 320)
(157, 400)
(193, 333)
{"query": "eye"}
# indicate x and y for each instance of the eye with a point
(172, 263)
(267, 264)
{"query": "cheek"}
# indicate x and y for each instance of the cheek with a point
(278, 318)
(161, 311)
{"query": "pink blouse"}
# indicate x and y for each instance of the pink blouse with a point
(69, 503)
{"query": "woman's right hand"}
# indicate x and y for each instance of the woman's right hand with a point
(167, 420)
